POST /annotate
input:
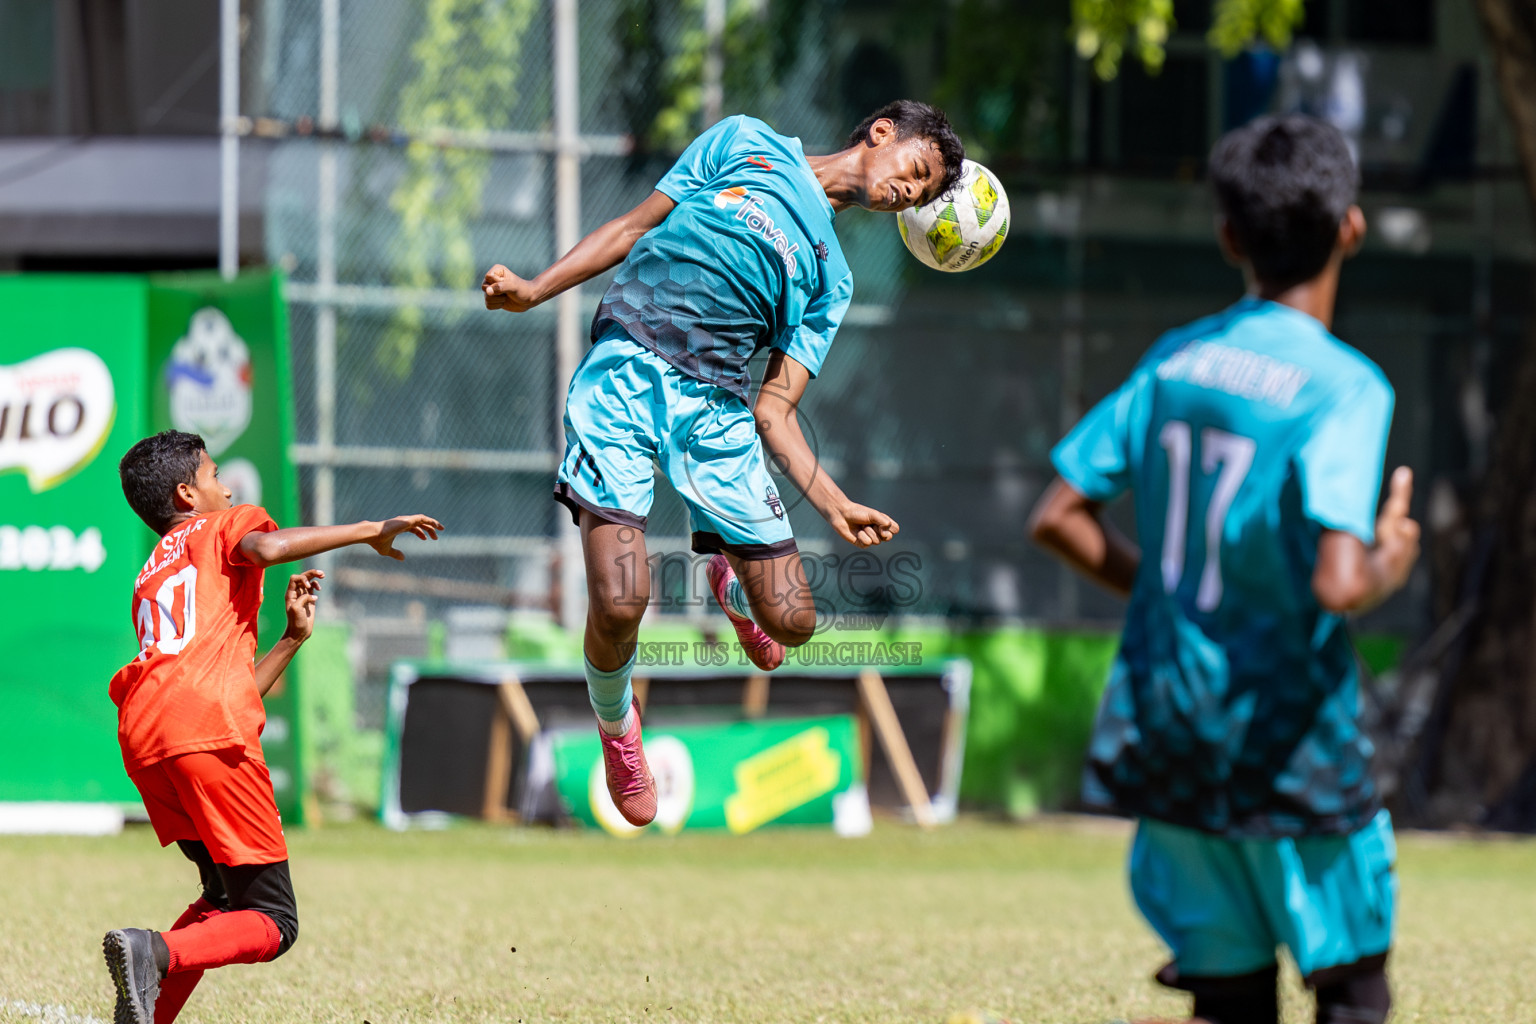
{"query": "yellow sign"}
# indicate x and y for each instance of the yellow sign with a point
(781, 778)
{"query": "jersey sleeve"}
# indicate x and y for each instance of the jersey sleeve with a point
(1340, 464)
(235, 524)
(1095, 457)
(808, 341)
(701, 161)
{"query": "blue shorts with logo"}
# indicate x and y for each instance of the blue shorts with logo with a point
(1223, 906)
(629, 411)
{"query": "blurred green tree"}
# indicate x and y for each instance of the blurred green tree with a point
(662, 88)
(996, 66)
(1001, 78)
(1104, 29)
(467, 64)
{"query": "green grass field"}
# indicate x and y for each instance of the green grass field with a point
(480, 924)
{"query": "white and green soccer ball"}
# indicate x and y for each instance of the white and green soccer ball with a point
(961, 229)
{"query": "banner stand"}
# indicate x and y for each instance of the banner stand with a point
(479, 740)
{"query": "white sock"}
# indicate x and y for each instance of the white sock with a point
(620, 727)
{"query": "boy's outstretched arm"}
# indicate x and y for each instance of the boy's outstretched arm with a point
(1072, 527)
(778, 425)
(602, 250)
(299, 542)
(1350, 577)
(299, 598)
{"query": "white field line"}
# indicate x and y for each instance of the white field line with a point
(48, 1013)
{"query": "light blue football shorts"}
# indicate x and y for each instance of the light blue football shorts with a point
(629, 411)
(1223, 906)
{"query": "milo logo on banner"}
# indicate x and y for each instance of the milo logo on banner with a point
(56, 411)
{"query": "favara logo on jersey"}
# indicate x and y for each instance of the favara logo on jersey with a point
(209, 378)
(750, 209)
(56, 411)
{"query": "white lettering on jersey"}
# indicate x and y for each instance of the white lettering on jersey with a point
(1237, 372)
(171, 636)
(171, 547)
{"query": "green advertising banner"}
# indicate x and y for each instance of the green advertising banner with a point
(218, 367)
(88, 366)
(71, 402)
(738, 776)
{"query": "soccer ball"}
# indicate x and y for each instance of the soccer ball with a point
(961, 229)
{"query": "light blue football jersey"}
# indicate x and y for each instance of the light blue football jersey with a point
(1233, 703)
(748, 258)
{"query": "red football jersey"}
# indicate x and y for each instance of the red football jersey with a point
(193, 685)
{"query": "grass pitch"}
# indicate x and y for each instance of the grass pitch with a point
(480, 924)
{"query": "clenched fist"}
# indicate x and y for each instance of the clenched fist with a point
(505, 290)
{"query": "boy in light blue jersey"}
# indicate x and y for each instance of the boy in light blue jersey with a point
(734, 251)
(1252, 444)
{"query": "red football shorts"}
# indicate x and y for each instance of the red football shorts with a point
(219, 797)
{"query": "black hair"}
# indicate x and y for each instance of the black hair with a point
(919, 119)
(1284, 183)
(152, 469)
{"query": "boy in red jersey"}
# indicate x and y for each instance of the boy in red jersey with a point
(190, 714)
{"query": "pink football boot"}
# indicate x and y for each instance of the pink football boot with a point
(764, 651)
(629, 777)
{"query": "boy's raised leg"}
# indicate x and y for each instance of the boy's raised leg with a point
(764, 651)
(155, 972)
(779, 595)
(259, 923)
(176, 989)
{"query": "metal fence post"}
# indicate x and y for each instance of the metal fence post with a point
(714, 60)
(568, 331)
(229, 145)
(325, 278)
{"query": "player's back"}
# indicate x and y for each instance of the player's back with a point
(192, 686)
(1251, 415)
(1242, 436)
(747, 257)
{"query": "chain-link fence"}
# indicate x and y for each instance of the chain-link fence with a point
(409, 395)
(394, 178)
(396, 175)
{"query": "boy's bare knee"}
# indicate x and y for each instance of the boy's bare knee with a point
(615, 612)
(615, 622)
(792, 629)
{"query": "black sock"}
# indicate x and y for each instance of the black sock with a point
(1364, 998)
(1239, 999)
(1255, 1007)
(162, 953)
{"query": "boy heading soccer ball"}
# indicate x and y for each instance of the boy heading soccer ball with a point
(1252, 444)
(190, 714)
(734, 251)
